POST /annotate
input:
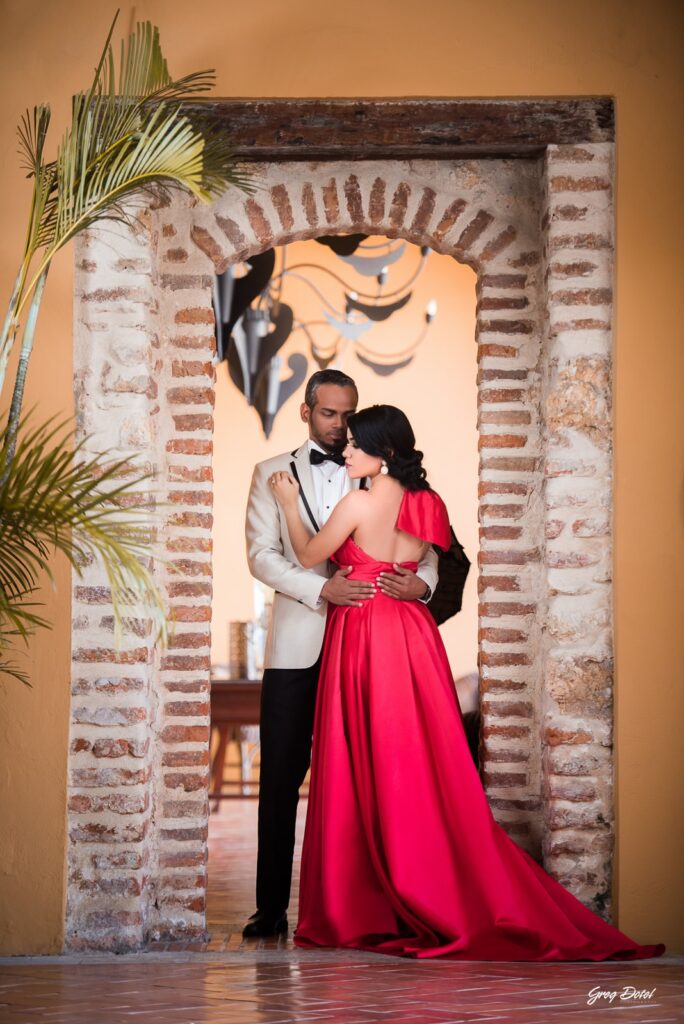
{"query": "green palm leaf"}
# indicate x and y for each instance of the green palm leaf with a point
(54, 497)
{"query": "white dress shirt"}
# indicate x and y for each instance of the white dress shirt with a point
(331, 483)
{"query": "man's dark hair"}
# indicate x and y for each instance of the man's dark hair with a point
(342, 380)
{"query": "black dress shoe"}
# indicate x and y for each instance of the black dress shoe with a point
(261, 925)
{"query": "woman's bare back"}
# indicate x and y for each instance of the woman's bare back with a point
(377, 535)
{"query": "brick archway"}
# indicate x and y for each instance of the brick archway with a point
(538, 232)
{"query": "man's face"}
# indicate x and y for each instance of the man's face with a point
(328, 418)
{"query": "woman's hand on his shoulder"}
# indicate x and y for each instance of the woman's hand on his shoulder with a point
(284, 487)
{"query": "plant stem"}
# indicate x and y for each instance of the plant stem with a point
(5, 346)
(24, 356)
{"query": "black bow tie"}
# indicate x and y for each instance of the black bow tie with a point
(316, 457)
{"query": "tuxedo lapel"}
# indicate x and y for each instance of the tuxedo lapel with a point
(303, 465)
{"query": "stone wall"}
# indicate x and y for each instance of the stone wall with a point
(538, 234)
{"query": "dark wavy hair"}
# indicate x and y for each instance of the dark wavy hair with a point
(384, 431)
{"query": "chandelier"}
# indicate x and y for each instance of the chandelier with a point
(253, 320)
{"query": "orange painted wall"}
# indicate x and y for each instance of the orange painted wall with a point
(395, 48)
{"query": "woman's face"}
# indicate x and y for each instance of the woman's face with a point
(358, 462)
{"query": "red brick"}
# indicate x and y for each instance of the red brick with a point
(505, 660)
(283, 207)
(191, 368)
(502, 441)
(188, 589)
(399, 204)
(498, 244)
(506, 731)
(182, 686)
(176, 255)
(189, 544)
(182, 859)
(206, 242)
(198, 421)
(200, 474)
(187, 707)
(188, 567)
(582, 241)
(500, 395)
(423, 215)
(502, 511)
(583, 296)
(203, 519)
(500, 532)
(496, 351)
(194, 341)
(511, 464)
(503, 636)
(185, 758)
(504, 779)
(507, 583)
(376, 203)
(98, 777)
(508, 557)
(185, 734)
(189, 641)
(500, 487)
(474, 229)
(502, 302)
(492, 609)
(190, 782)
(181, 446)
(232, 232)
(190, 497)
(140, 655)
(503, 280)
(259, 221)
(184, 835)
(190, 396)
(565, 183)
(497, 374)
(309, 204)
(501, 686)
(501, 708)
(331, 203)
(192, 613)
(180, 882)
(195, 315)
(185, 662)
(448, 219)
(93, 595)
(505, 326)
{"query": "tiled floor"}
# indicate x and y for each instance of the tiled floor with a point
(236, 982)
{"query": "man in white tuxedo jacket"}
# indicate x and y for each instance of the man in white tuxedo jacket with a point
(295, 637)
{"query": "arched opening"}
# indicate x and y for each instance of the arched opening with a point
(140, 717)
(435, 383)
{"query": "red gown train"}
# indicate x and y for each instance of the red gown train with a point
(402, 854)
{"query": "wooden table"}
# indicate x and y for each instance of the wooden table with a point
(234, 702)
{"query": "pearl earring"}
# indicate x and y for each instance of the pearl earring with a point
(383, 469)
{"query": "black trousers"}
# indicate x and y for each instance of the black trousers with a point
(288, 700)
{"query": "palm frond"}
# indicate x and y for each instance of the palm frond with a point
(129, 134)
(32, 132)
(55, 497)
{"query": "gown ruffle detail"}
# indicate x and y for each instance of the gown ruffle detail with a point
(423, 514)
(402, 854)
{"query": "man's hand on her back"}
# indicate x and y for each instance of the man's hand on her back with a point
(339, 590)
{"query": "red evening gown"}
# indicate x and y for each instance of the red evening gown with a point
(402, 854)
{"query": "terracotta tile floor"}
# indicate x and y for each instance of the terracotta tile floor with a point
(229, 981)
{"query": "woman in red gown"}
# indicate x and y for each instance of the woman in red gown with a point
(402, 854)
